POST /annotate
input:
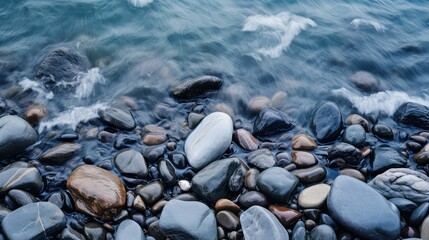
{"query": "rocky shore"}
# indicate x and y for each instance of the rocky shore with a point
(205, 172)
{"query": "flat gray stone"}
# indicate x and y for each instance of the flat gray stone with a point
(259, 223)
(277, 183)
(129, 230)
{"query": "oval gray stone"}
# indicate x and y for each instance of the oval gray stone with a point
(209, 140)
(258, 223)
(16, 135)
(277, 183)
(129, 230)
(119, 117)
(362, 210)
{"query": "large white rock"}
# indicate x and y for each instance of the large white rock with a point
(209, 140)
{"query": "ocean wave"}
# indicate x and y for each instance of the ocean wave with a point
(86, 82)
(283, 27)
(381, 102)
(358, 22)
(73, 116)
(140, 3)
(42, 93)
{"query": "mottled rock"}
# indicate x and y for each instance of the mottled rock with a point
(362, 210)
(150, 193)
(199, 223)
(262, 159)
(211, 183)
(196, 87)
(96, 191)
(385, 158)
(118, 117)
(350, 154)
(34, 221)
(258, 223)
(246, 140)
(354, 135)
(209, 140)
(270, 122)
(129, 230)
(15, 135)
(303, 142)
(413, 114)
(60, 153)
(277, 183)
(131, 163)
(402, 183)
(327, 122)
(314, 196)
(15, 176)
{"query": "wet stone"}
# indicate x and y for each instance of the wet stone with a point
(129, 230)
(286, 216)
(277, 183)
(71, 234)
(209, 140)
(314, 196)
(345, 151)
(262, 159)
(158, 206)
(16, 177)
(226, 205)
(194, 119)
(200, 221)
(278, 100)
(409, 232)
(354, 135)
(154, 154)
(270, 122)
(383, 131)
(195, 87)
(300, 234)
(355, 119)
(246, 140)
(323, 232)
(353, 173)
(167, 173)
(21, 198)
(252, 198)
(310, 175)
(258, 103)
(250, 179)
(419, 214)
(35, 113)
(303, 142)
(413, 114)
(15, 135)
(303, 159)
(258, 223)
(60, 153)
(365, 81)
(327, 122)
(150, 193)
(34, 221)
(422, 158)
(131, 163)
(185, 185)
(385, 158)
(154, 139)
(139, 204)
(5, 211)
(236, 181)
(96, 192)
(94, 230)
(227, 220)
(118, 117)
(404, 205)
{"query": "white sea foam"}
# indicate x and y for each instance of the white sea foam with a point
(86, 82)
(140, 3)
(73, 116)
(358, 22)
(284, 27)
(385, 101)
(27, 84)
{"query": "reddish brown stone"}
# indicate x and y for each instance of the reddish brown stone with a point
(154, 139)
(303, 159)
(286, 216)
(225, 204)
(246, 140)
(303, 142)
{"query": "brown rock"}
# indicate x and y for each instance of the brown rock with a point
(35, 113)
(60, 153)
(138, 204)
(250, 178)
(353, 173)
(355, 119)
(310, 175)
(303, 142)
(246, 140)
(226, 205)
(157, 207)
(154, 139)
(286, 216)
(96, 191)
(303, 159)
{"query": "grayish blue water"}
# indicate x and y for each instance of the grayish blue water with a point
(307, 48)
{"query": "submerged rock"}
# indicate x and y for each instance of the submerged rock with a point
(271, 121)
(327, 122)
(62, 65)
(362, 210)
(209, 140)
(15, 135)
(118, 117)
(354, 135)
(413, 114)
(188, 220)
(402, 183)
(385, 158)
(196, 87)
(365, 81)
(258, 223)
(34, 221)
(96, 191)
(277, 183)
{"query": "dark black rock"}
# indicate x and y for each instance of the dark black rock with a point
(34, 221)
(62, 65)
(196, 87)
(21, 198)
(199, 223)
(413, 114)
(154, 154)
(323, 232)
(362, 210)
(129, 162)
(236, 181)
(252, 198)
(178, 160)
(350, 154)
(271, 121)
(383, 131)
(327, 122)
(150, 193)
(167, 173)
(16, 177)
(262, 159)
(354, 135)
(277, 183)
(404, 205)
(15, 135)
(118, 117)
(419, 214)
(385, 158)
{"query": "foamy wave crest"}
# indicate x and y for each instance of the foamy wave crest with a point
(381, 102)
(28, 84)
(358, 22)
(283, 27)
(73, 117)
(140, 3)
(86, 82)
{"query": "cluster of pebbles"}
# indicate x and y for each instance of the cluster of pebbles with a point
(213, 176)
